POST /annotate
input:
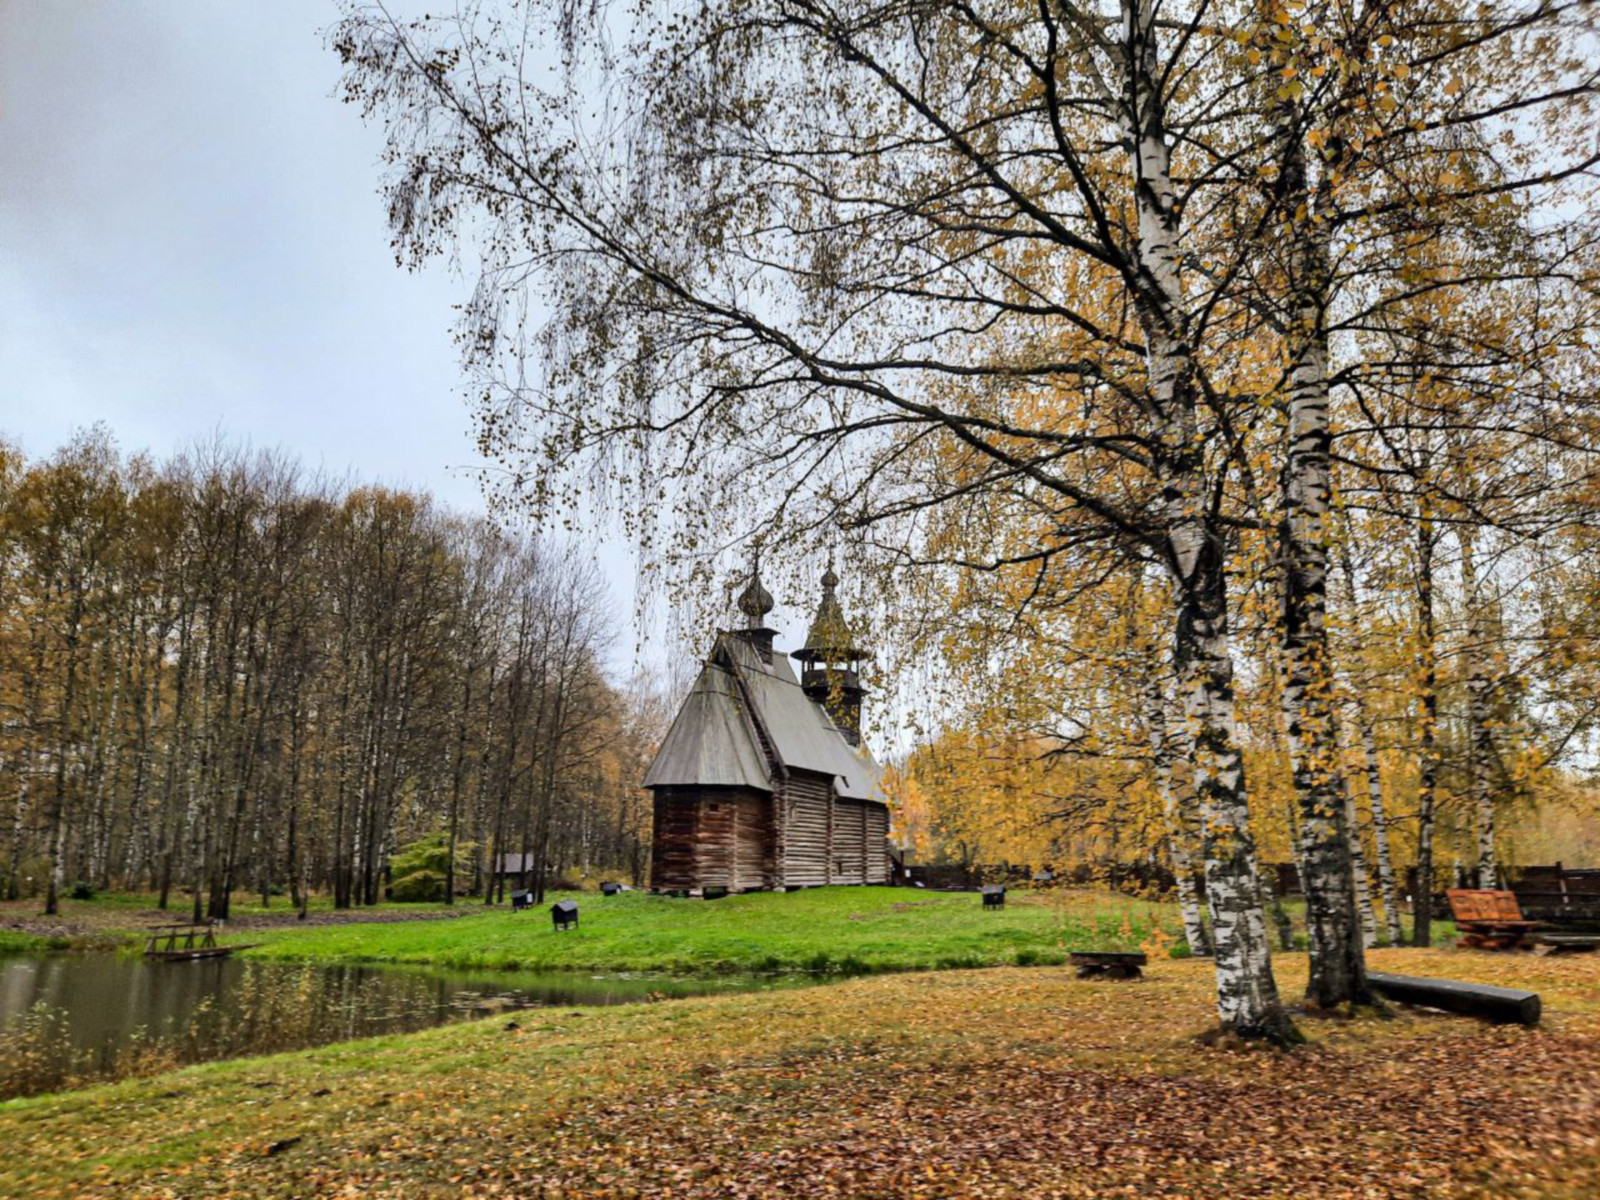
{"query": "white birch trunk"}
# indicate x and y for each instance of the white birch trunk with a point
(1247, 993)
(1338, 968)
(1380, 831)
(1358, 872)
(1427, 726)
(1165, 747)
(1359, 721)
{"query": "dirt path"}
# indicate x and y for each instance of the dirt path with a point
(88, 921)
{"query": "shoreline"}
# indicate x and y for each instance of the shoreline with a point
(817, 933)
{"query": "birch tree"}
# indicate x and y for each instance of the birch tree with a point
(222, 676)
(1386, 115)
(835, 234)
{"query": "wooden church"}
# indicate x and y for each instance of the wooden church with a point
(762, 782)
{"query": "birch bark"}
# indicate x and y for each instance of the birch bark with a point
(1358, 872)
(1357, 717)
(1380, 830)
(1428, 725)
(1165, 748)
(57, 816)
(141, 845)
(22, 813)
(1247, 993)
(179, 741)
(1338, 964)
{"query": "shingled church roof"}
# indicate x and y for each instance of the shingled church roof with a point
(713, 740)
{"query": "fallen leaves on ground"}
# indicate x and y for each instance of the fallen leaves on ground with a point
(973, 1084)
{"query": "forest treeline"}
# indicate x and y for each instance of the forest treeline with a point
(1467, 695)
(223, 674)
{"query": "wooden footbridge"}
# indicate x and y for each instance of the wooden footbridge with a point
(185, 941)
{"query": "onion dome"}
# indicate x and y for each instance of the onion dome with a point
(755, 602)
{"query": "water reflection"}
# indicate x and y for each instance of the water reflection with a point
(71, 1019)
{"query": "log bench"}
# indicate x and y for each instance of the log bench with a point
(1563, 943)
(1505, 1006)
(1108, 964)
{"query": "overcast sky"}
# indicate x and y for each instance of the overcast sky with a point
(190, 238)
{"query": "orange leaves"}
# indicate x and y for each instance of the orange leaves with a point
(1158, 945)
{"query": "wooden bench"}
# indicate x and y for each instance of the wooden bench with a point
(1489, 920)
(1108, 964)
(1560, 943)
(1560, 897)
(199, 941)
(1493, 920)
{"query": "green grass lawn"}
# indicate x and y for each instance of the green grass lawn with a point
(13, 942)
(842, 930)
(847, 930)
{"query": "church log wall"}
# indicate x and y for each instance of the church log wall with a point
(712, 837)
(806, 843)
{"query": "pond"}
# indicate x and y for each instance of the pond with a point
(67, 1020)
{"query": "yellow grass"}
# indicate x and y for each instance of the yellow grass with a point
(993, 1083)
